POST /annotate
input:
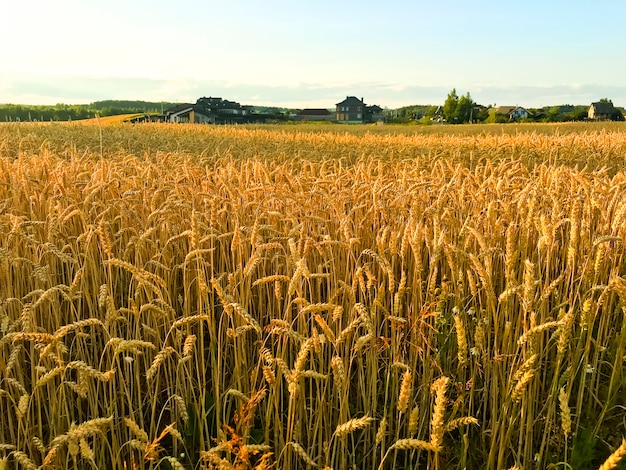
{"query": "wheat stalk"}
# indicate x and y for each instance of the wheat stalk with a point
(615, 458)
(136, 430)
(405, 391)
(353, 425)
(566, 420)
(22, 458)
(381, 432)
(520, 386)
(159, 359)
(461, 340)
(437, 428)
(299, 450)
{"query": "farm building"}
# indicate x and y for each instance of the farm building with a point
(514, 113)
(604, 111)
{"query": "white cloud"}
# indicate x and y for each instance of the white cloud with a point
(40, 89)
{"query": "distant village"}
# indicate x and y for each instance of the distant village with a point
(353, 110)
(220, 111)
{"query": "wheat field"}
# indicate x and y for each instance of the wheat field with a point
(195, 297)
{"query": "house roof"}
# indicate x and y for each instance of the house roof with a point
(211, 102)
(506, 110)
(374, 108)
(314, 112)
(178, 108)
(351, 101)
(210, 99)
(603, 108)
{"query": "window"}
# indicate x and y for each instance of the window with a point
(358, 108)
(358, 116)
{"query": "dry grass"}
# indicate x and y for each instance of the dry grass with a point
(232, 297)
(108, 120)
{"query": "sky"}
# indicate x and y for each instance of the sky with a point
(306, 54)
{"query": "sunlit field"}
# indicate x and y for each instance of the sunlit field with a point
(321, 296)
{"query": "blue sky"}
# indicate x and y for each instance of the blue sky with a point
(313, 54)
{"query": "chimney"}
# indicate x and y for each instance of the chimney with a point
(362, 100)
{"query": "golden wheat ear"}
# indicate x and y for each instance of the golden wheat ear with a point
(615, 458)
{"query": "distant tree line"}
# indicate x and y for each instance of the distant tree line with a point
(71, 112)
(67, 112)
(462, 109)
(412, 113)
(456, 110)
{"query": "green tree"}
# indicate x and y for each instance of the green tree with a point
(449, 107)
(430, 111)
(480, 113)
(553, 114)
(495, 117)
(464, 108)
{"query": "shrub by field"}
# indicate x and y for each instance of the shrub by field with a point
(324, 296)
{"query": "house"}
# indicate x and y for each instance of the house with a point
(351, 110)
(185, 113)
(374, 113)
(354, 110)
(311, 114)
(438, 115)
(223, 111)
(209, 111)
(604, 111)
(514, 113)
(479, 113)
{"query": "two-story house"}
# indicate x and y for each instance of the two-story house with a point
(351, 110)
(604, 111)
(354, 110)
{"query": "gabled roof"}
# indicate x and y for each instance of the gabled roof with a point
(179, 107)
(374, 108)
(603, 108)
(217, 103)
(351, 101)
(506, 110)
(210, 99)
